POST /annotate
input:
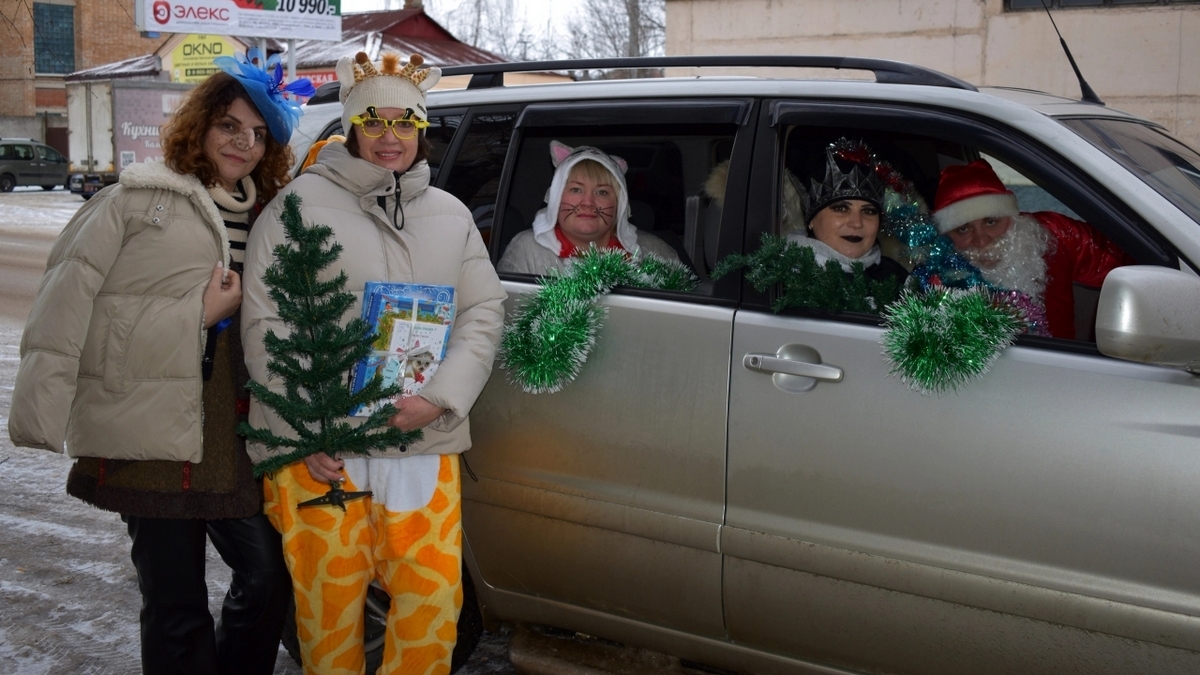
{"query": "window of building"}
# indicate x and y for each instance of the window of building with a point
(53, 38)
(1055, 4)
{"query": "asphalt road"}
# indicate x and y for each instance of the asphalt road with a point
(68, 593)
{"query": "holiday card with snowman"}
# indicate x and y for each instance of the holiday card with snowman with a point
(411, 325)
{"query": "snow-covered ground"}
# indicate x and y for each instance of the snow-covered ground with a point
(69, 600)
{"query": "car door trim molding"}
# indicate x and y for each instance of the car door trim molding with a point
(698, 648)
(1172, 629)
(680, 530)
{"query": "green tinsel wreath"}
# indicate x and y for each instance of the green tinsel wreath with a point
(805, 283)
(943, 338)
(548, 339)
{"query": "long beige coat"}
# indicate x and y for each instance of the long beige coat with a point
(428, 238)
(110, 357)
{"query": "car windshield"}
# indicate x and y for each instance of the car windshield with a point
(1165, 164)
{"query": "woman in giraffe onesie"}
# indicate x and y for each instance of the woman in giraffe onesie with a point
(374, 191)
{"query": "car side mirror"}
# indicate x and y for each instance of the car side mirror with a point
(1151, 315)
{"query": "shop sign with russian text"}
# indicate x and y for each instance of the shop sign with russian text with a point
(281, 19)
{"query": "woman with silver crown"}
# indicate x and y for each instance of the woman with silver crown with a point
(130, 364)
(843, 211)
(373, 191)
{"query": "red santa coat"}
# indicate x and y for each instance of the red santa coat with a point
(1080, 255)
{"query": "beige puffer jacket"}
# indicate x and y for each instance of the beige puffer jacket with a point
(429, 238)
(110, 358)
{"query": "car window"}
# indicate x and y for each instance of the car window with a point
(49, 154)
(22, 151)
(440, 133)
(7, 152)
(1030, 196)
(920, 159)
(1165, 164)
(475, 174)
(675, 178)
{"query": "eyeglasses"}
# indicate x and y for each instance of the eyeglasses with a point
(243, 138)
(374, 127)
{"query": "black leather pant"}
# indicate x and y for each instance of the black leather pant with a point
(178, 636)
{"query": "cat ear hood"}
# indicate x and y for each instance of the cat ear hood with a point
(564, 158)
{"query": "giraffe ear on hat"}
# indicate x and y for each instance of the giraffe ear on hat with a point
(559, 152)
(345, 76)
(432, 75)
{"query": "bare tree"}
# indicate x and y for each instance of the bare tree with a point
(600, 29)
(497, 26)
(617, 28)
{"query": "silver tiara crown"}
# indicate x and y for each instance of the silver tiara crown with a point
(860, 182)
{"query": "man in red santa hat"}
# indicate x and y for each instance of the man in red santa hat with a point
(1039, 254)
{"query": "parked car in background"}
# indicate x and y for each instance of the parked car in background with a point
(683, 497)
(24, 161)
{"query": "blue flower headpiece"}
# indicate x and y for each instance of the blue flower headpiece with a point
(262, 78)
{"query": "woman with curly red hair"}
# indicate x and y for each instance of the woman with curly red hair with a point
(128, 364)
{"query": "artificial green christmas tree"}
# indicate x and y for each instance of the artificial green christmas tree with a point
(315, 359)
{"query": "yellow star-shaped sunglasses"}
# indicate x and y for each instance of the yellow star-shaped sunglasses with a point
(374, 127)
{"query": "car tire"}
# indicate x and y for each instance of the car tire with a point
(470, 628)
(48, 188)
(7, 182)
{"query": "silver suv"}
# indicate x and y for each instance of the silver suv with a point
(24, 161)
(1044, 519)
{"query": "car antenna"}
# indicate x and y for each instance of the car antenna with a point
(1088, 94)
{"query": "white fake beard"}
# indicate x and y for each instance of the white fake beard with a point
(1017, 259)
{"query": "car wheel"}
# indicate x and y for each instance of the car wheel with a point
(470, 628)
(48, 188)
(7, 183)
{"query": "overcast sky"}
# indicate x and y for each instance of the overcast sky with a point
(535, 11)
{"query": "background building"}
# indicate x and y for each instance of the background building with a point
(41, 42)
(1141, 56)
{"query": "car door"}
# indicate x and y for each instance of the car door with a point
(1040, 519)
(600, 505)
(54, 165)
(28, 166)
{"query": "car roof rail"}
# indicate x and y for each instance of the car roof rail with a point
(488, 75)
(890, 72)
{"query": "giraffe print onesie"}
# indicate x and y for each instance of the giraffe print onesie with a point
(408, 536)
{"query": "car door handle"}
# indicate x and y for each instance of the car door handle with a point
(771, 364)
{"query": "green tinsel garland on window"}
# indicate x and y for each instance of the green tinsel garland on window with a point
(548, 339)
(314, 359)
(936, 341)
(805, 283)
(941, 339)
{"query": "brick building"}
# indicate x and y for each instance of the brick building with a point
(43, 40)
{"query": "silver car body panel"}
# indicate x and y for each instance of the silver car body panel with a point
(623, 464)
(1016, 496)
